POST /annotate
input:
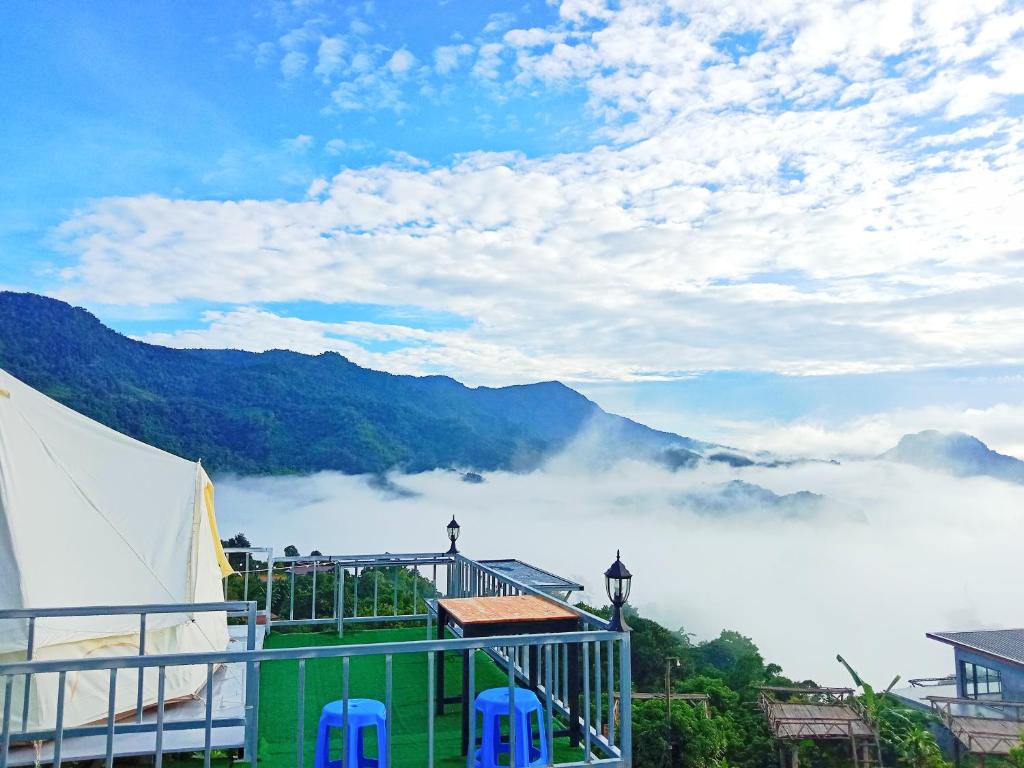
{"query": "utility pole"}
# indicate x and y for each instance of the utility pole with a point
(670, 662)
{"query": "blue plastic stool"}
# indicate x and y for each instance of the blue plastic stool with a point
(493, 705)
(362, 714)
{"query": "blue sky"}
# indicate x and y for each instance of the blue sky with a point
(802, 215)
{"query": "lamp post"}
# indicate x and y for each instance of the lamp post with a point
(616, 583)
(453, 534)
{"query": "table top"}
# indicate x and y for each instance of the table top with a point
(496, 610)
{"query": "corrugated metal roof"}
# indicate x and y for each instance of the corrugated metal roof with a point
(531, 575)
(1006, 644)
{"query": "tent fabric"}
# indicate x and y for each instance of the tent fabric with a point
(91, 517)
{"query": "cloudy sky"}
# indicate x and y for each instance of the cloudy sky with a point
(696, 211)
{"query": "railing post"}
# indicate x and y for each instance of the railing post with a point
(5, 724)
(291, 597)
(341, 599)
(625, 707)
(29, 653)
(142, 671)
(251, 710)
(300, 716)
(270, 588)
(250, 630)
(430, 708)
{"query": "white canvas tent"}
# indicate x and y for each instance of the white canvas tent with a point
(91, 517)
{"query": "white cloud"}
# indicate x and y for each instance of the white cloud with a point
(1000, 426)
(317, 187)
(360, 27)
(488, 61)
(330, 57)
(401, 61)
(778, 190)
(293, 64)
(895, 564)
(362, 62)
(448, 58)
(300, 144)
(453, 352)
(498, 22)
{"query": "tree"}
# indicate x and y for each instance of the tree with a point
(692, 740)
(239, 541)
(291, 551)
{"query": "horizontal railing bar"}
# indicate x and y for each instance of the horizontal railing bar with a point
(382, 618)
(383, 557)
(293, 654)
(120, 610)
(379, 619)
(119, 728)
(305, 622)
(533, 590)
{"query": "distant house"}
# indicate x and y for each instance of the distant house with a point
(980, 706)
(989, 664)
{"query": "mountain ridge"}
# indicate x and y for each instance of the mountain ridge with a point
(285, 412)
(956, 453)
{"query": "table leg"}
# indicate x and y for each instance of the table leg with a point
(574, 694)
(466, 704)
(442, 620)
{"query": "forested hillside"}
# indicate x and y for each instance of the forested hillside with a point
(281, 411)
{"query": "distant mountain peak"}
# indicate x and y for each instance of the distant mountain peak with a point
(955, 453)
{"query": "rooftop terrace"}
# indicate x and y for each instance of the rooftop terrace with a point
(337, 627)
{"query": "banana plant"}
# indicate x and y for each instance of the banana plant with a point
(898, 729)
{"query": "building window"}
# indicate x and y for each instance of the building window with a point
(981, 682)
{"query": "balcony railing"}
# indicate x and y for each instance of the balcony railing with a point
(311, 591)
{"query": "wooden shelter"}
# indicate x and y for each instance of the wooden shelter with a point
(820, 714)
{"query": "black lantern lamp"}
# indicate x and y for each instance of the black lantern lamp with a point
(453, 534)
(616, 582)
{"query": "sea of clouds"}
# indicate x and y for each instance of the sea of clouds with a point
(900, 552)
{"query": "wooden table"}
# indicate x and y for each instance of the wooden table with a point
(512, 615)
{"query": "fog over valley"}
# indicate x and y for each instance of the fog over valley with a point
(809, 560)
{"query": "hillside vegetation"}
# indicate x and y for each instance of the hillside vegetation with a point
(284, 412)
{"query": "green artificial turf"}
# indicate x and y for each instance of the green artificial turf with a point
(278, 730)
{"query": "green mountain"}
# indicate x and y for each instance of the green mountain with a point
(282, 412)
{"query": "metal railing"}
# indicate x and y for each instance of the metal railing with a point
(297, 587)
(249, 567)
(598, 748)
(33, 615)
(470, 578)
(313, 590)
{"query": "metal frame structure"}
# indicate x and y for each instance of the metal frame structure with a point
(606, 669)
(235, 609)
(982, 726)
(549, 582)
(247, 569)
(693, 698)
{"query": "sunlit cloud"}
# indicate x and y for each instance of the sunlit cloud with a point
(801, 188)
